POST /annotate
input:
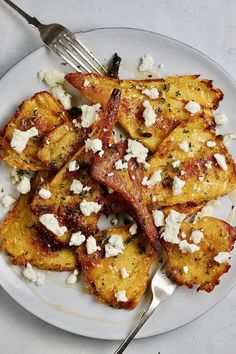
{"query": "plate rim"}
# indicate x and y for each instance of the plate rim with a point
(49, 320)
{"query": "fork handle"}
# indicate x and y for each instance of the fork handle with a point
(31, 20)
(145, 315)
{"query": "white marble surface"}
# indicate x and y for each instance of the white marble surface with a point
(207, 25)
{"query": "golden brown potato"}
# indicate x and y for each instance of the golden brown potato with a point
(44, 113)
(203, 177)
(203, 270)
(103, 275)
(25, 244)
(174, 93)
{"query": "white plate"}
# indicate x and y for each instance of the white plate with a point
(72, 308)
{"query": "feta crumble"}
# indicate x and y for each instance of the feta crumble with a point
(211, 143)
(61, 95)
(44, 193)
(51, 77)
(77, 238)
(136, 150)
(153, 93)
(155, 179)
(121, 296)
(7, 201)
(133, 229)
(52, 224)
(20, 138)
(222, 257)
(178, 185)
(184, 146)
(149, 114)
(196, 236)
(185, 269)
(73, 166)
(220, 159)
(121, 165)
(114, 246)
(220, 118)
(176, 163)
(76, 186)
(172, 226)
(24, 186)
(73, 277)
(228, 138)
(95, 145)
(146, 63)
(89, 114)
(34, 275)
(186, 247)
(87, 208)
(158, 217)
(124, 273)
(86, 83)
(91, 245)
(192, 107)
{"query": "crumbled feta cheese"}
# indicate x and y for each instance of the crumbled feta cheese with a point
(76, 124)
(114, 246)
(121, 165)
(95, 145)
(158, 217)
(183, 235)
(51, 77)
(201, 178)
(146, 63)
(77, 238)
(172, 226)
(149, 114)
(24, 185)
(16, 175)
(182, 173)
(208, 165)
(192, 107)
(154, 199)
(124, 273)
(34, 275)
(211, 143)
(222, 257)
(196, 236)
(178, 185)
(155, 178)
(184, 145)
(87, 208)
(185, 269)
(133, 229)
(73, 166)
(76, 186)
(110, 174)
(52, 224)
(220, 159)
(153, 93)
(91, 245)
(86, 83)
(176, 163)
(7, 201)
(186, 247)
(61, 95)
(87, 188)
(20, 138)
(121, 296)
(45, 193)
(136, 150)
(72, 278)
(228, 138)
(220, 118)
(89, 114)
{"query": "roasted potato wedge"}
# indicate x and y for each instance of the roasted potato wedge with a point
(203, 177)
(44, 113)
(203, 270)
(103, 275)
(174, 93)
(24, 243)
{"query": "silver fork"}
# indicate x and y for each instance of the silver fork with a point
(161, 288)
(63, 42)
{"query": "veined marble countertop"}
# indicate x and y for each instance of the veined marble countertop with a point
(209, 26)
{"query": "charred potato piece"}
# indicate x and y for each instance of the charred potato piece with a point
(204, 178)
(203, 270)
(24, 243)
(44, 113)
(174, 93)
(103, 275)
